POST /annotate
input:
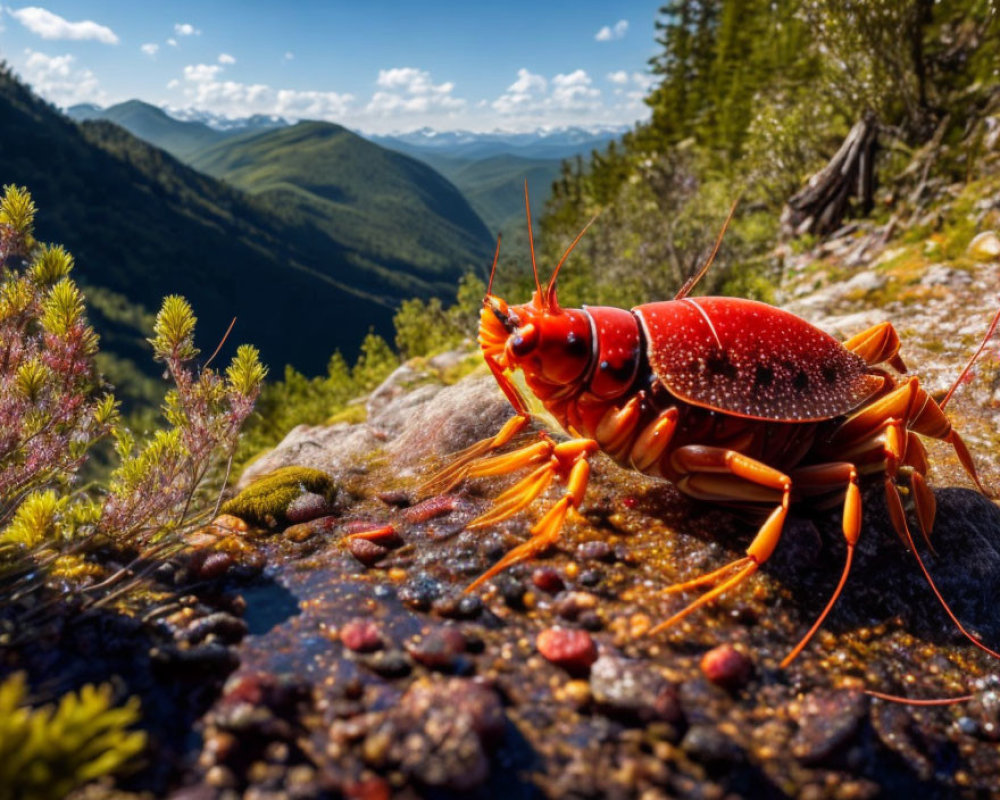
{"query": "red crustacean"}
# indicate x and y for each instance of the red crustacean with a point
(733, 401)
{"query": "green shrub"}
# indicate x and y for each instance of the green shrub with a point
(47, 752)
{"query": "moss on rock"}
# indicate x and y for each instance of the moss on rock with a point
(265, 502)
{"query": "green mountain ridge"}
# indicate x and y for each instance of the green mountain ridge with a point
(142, 225)
(179, 138)
(371, 199)
(494, 186)
(490, 179)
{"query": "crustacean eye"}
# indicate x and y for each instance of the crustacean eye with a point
(524, 341)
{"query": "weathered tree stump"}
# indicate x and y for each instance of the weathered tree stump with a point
(820, 205)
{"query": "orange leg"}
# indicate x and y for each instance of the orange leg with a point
(458, 470)
(714, 473)
(878, 344)
(569, 458)
(830, 475)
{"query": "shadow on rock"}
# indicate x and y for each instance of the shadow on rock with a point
(886, 580)
(268, 605)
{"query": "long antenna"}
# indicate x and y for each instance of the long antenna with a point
(493, 269)
(531, 241)
(550, 290)
(958, 381)
(691, 282)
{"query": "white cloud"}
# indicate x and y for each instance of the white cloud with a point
(150, 48)
(44, 23)
(201, 73)
(533, 95)
(289, 55)
(225, 58)
(620, 77)
(172, 42)
(186, 29)
(523, 93)
(609, 33)
(408, 90)
(574, 90)
(203, 88)
(58, 79)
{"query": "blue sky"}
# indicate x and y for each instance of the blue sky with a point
(375, 66)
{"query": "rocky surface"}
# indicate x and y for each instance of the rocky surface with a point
(317, 640)
(368, 672)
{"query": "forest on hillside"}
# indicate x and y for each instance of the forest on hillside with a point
(267, 592)
(752, 97)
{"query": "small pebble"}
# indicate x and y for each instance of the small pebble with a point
(304, 531)
(591, 621)
(633, 690)
(548, 580)
(437, 649)
(399, 499)
(710, 746)
(389, 663)
(222, 626)
(968, 726)
(591, 578)
(595, 550)
(371, 788)
(434, 507)
(828, 720)
(226, 524)
(421, 592)
(726, 666)
(212, 566)
(511, 590)
(573, 650)
(384, 535)
(361, 636)
(367, 552)
(570, 605)
(626, 556)
(308, 506)
(458, 606)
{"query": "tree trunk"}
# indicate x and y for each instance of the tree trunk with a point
(820, 205)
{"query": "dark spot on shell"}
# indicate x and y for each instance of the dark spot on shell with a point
(719, 364)
(764, 376)
(620, 371)
(575, 345)
(829, 372)
(801, 381)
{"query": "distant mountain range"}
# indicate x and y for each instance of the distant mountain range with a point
(488, 168)
(142, 225)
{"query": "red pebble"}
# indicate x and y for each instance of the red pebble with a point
(630, 502)
(573, 650)
(548, 580)
(434, 507)
(384, 535)
(361, 636)
(726, 666)
(374, 788)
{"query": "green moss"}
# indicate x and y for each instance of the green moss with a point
(266, 500)
(354, 415)
(47, 752)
